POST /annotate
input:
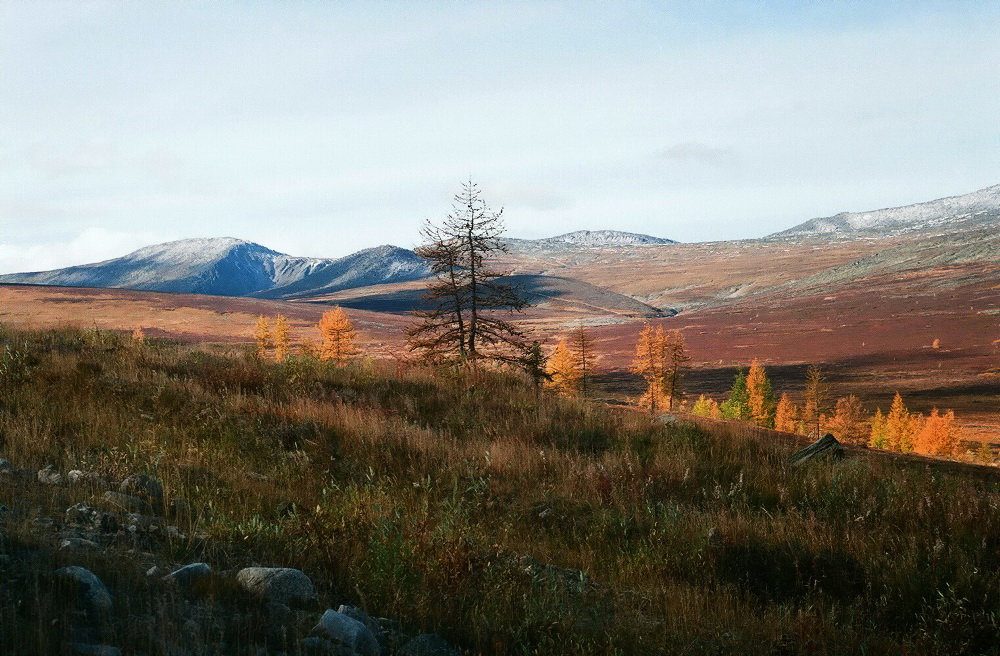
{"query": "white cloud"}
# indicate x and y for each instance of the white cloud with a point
(91, 245)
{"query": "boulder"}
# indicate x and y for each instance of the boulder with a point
(93, 594)
(825, 447)
(78, 477)
(283, 585)
(366, 619)
(347, 632)
(189, 575)
(145, 487)
(50, 476)
(79, 544)
(86, 516)
(427, 644)
(5, 466)
(127, 502)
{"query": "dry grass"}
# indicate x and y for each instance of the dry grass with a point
(454, 502)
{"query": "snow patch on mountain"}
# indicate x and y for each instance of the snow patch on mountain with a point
(968, 210)
(586, 239)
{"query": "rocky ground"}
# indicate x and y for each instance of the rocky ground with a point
(101, 578)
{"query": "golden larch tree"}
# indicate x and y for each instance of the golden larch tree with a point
(760, 396)
(338, 336)
(706, 407)
(848, 422)
(676, 360)
(900, 426)
(786, 415)
(564, 368)
(282, 338)
(138, 337)
(817, 392)
(878, 437)
(262, 336)
(583, 349)
(649, 363)
(938, 436)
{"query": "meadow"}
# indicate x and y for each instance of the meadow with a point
(459, 502)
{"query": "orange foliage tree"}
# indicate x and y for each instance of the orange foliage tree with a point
(649, 362)
(706, 407)
(760, 395)
(583, 348)
(282, 338)
(564, 369)
(785, 415)
(848, 422)
(938, 436)
(338, 336)
(900, 426)
(262, 336)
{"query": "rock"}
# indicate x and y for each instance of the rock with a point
(427, 644)
(145, 487)
(50, 476)
(86, 516)
(127, 502)
(280, 584)
(79, 544)
(83, 649)
(347, 632)
(78, 477)
(93, 593)
(5, 466)
(363, 617)
(155, 571)
(825, 447)
(668, 420)
(189, 575)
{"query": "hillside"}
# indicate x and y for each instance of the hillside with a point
(231, 267)
(976, 209)
(426, 502)
(584, 239)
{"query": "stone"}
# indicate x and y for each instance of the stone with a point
(93, 593)
(189, 575)
(280, 584)
(50, 476)
(78, 477)
(363, 617)
(127, 502)
(5, 466)
(86, 516)
(145, 487)
(79, 544)
(347, 632)
(825, 447)
(427, 644)
(83, 649)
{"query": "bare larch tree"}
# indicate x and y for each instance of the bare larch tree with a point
(469, 304)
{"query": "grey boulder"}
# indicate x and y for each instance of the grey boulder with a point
(92, 592)
(348, 632)
(283, 585)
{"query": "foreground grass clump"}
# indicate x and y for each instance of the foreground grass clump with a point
(453, 502)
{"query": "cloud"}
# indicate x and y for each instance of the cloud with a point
(95, 155)
(91, 245)
(695, 151)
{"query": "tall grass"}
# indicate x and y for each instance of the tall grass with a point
(454, 502)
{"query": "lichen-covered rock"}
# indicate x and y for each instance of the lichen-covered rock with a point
(93, 594)
(427, 644)
(144, 487)
(50, 476)
(189, 575)
(79, 544)
(280, 584)
(348, 632)
(79, 477)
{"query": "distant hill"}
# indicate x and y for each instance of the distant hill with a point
(585, 239)
(976, 209)
(232, 267)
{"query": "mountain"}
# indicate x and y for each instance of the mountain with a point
(231, 267)
(976, 209)
(585, 239)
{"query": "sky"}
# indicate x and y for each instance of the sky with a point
(320, 128)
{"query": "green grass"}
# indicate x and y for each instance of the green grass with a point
(453, 502)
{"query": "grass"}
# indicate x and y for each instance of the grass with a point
(455, 503)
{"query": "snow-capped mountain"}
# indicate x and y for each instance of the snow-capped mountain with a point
(232, 267)
(968, 210)
(585, 239)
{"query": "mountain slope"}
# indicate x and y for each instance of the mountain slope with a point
(584, 239)
(228, 267)
(968, 210)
